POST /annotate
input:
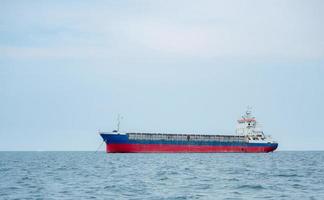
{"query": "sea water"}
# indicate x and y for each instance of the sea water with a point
(97, 175)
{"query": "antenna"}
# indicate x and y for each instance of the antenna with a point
(248, 110)
(118, 122)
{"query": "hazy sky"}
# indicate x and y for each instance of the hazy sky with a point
(67, 68)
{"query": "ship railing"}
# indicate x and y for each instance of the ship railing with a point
(185, 137)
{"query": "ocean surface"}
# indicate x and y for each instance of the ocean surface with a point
(97, 175)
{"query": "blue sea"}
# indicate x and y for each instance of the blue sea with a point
(97, 175)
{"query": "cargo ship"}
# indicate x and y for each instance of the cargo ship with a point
(249, 138)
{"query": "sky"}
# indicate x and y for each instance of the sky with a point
(68, 68)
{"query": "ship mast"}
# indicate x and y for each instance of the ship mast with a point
(118, 122)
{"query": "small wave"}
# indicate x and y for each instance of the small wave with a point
(254, 187)
(298, 186)
(25, 178)
(204, 186)
(287, 175)
(173, 173)
(232, 179)
(12, 188)
(4, 169)
(61, 168)
(110, 186)
(163, 178)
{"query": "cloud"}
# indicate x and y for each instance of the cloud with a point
(280, 32)
(51, 52)
(169, 38)
(231, 30)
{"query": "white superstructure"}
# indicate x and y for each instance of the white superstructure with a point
(249, 127)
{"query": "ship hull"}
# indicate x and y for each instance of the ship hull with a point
(167, 148)
(121, 144)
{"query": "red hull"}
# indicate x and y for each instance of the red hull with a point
(168, 148)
